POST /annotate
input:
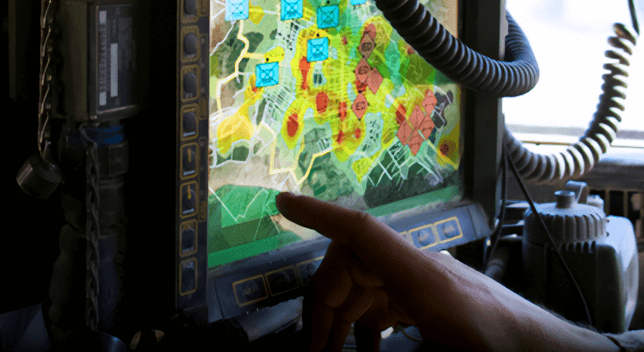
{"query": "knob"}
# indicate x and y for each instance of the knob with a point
(565, 199)
(567, 221)
(39, 178)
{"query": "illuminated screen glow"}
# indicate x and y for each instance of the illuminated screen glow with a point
(321, 98)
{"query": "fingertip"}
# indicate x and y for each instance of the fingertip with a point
(281, 201)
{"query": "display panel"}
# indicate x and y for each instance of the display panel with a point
(322, 98)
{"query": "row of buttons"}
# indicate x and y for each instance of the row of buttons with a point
(261, 287)
(433, 234)
(191, 103)
(276, 282)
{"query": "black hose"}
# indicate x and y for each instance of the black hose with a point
(581, 156)
(515, 76)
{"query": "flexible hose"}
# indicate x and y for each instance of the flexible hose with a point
(581, 156)
(515, 76)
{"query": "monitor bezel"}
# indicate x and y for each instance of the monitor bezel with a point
(155, 142)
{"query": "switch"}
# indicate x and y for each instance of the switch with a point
(282, 281)
(448, 229)
(188, 276)
(188, 241)
(189, 124)
(425, 236)
(190, 45)
(189, 160)
(307, 269)
(188, 199)
(191, 7)
(407, 237)
(250, 290)
(190, 86)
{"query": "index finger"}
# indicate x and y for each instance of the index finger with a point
(375, 243)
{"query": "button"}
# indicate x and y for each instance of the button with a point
(425, 236)
(189, 160)
(282, 281)
(189, 124)
(188, 241)
(188, 199)
(191, 7)
(307, 269)
(250, 290)
(448, 229)
(407, 236)
(190, 86)
(188, 275)
(190, 45)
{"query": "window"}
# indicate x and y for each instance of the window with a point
(569, 38)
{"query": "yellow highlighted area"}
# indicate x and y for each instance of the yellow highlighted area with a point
(238, 126)
(274, 55)
(255, 13)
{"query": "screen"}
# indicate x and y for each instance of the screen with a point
(322, 98)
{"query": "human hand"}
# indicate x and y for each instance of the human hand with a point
(372, 276)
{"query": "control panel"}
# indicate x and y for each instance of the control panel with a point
(270, 278)
(192, 150)
(264, 280)
(441, 230)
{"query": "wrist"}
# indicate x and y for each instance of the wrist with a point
(546, 332)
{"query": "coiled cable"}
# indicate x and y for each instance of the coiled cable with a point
(515, 76)
(581, 156)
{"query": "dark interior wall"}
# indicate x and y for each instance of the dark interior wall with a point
(29, 239)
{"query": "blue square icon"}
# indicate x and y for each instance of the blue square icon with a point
(267, 74)
(317, 49)
(292, 9)
(358, 2)
(328, 16)
(236, 10)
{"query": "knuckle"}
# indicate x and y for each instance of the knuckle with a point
(361, 221)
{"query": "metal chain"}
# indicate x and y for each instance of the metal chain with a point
(92, 234)
(44, 78)
(44, 143)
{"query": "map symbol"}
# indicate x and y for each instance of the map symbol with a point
(328, 16)
(267, 74)
(292, 9)
(362, 70)
(360, 106)
(374, 80)
(236, 10)
(366, 45)
(317, 49)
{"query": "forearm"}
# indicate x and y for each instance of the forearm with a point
(500, 319)
(530, 327)
(544, 331)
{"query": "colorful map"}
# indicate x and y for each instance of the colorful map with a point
(321, 98)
